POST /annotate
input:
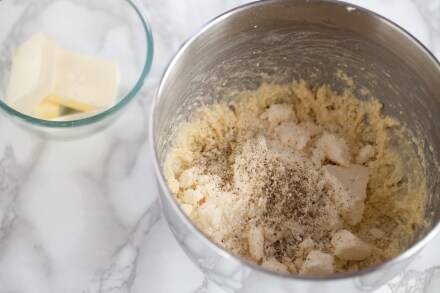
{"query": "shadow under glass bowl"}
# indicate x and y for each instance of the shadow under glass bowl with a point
(113, 29)
(290, 40)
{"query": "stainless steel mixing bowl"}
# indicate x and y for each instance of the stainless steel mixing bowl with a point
(291, 40)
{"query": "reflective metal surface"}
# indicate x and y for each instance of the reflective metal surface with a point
(291, 40)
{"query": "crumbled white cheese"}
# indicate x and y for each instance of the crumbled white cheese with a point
(377, 233)
(273, 264)
(209, 217)
(187, 208)
(306, 246)
(350, 185)
(311, 128)
(365, 154)
(318, 157)
(192, 196)
(293, 135)
(349, 247)
(292, 268)
(335, 149)
(267, 196)
(318, 263)
(173, 184)
(297, 135)
(187, 178)
(278, 113)
(256, 243)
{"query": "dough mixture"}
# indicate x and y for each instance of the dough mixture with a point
(298, 180)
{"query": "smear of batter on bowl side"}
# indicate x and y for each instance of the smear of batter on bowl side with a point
(299, 179)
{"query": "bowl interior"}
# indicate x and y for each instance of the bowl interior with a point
(281, 41)
(113, 29)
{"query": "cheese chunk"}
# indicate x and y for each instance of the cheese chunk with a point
(377, 233)
(278, 113)
(349, 247)
(293, 135)
(311, 128)
(256, 243)
(47, 110)
(334, 148)
(84, 83)
(297, 135)
(350, 185)
(318, 263)
(274, 265)
(187, 208)
(174, 185)
(187, 178)
(306, 246)
(192, 196)
(32, 73)
(365, 153)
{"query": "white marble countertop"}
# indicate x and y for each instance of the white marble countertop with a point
(83, 216)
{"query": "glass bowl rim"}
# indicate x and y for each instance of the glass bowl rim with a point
(115, 108)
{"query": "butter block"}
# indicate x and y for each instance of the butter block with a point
(32, 73)
(47, 110)
(350, 185)
(84, 83)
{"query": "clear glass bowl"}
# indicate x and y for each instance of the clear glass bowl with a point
(112, 29)
(289, 40)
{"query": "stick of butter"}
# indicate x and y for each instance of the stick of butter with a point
(84, 83)
(32, 73)
(47, 110)
(43, 71)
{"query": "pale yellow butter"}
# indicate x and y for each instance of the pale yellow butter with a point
(32, 73)
(45, 78)
(47, 110)
(84, 83)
